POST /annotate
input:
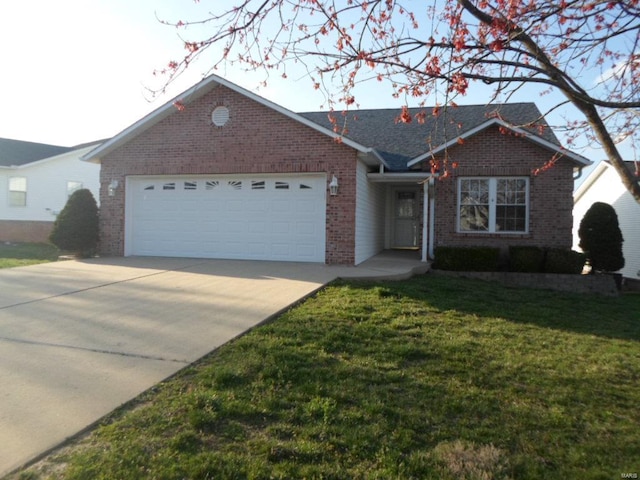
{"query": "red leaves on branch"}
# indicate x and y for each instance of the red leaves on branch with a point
(586, 49)
(405, 116)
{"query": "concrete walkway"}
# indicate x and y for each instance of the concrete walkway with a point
(80, 338)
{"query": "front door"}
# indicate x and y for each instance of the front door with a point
(405, 219)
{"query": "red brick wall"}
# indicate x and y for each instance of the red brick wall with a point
(256, 139)
(491, 153)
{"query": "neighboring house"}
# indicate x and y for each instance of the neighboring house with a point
(224, 173)
(604, 185)
(37, 180)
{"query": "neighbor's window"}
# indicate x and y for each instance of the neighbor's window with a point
(493, 205)
(72, 187)
(17, 191)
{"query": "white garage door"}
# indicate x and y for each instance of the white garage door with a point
(234, 217)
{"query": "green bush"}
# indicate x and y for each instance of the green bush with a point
(526, 259)
(601, 238)
(470, 259)
(564, 261)
(76, 228)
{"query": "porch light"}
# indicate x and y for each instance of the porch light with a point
(333, 186)
(112, 187)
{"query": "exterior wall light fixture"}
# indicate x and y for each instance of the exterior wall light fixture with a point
(333, 186)
(112, 187)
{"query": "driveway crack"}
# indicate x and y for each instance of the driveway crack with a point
(94, 350)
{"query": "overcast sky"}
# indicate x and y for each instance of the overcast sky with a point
(75, 71)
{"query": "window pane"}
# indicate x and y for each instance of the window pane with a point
(17, 199)
(474, 218)
(17, 191)
(18, 184)
(474, 205)
(511, 191)
(511, 218)
(73, 186)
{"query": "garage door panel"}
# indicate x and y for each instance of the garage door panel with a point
(268, 218)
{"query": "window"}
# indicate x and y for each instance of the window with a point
(257, 185)
(493, 205)
(169, 186)
(190, 185)
(18, 192)
(282, 186)
(72, 187)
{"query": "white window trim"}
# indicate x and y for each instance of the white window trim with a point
(493, 188)
(71, 191)
(25, 191)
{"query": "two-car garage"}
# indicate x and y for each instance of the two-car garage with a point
(258, 217)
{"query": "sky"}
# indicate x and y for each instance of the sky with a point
(76, 71)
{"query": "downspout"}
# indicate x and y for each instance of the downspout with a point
(432, 218)
(425, 220)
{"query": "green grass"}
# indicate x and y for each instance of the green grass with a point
(432, 378)
(22, 254)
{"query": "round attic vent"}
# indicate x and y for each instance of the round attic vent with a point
(220, 116)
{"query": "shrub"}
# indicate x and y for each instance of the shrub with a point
(564, 261)
(76, 228)
(601, 238)
(526, 259)
(471, 259)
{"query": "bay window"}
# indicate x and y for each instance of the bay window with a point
(493, 205)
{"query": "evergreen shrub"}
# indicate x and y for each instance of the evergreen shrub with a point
(601, 238)
(76, 228)
(470, 259)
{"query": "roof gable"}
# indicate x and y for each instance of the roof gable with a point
(403, 145)
(196, 92)
(18, 152)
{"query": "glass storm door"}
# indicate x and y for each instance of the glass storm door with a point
(405, 219)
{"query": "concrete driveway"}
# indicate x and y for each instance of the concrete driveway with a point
(80, 338)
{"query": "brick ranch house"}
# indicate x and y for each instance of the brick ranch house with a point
(232, 175)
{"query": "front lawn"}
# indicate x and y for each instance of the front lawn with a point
(432, 378)
(21, 254)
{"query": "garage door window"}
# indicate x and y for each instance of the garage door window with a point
(169, 186)
(257, 185)
(235, 184)
(190, 185)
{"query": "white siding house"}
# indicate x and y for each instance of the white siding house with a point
(33, 193)
(604, 185)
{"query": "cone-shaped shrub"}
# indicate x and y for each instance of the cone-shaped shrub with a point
(76, 228)
(601, 238)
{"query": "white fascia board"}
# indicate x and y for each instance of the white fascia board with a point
(589, 181)
(192, 94)
(400, 177)
(579, 159)
(372, 157)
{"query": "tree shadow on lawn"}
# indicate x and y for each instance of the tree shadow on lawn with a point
(610, 317)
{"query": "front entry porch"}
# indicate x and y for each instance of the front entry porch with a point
(409, 211)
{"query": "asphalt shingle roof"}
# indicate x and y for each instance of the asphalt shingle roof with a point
(399, 142)
(17, 152)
